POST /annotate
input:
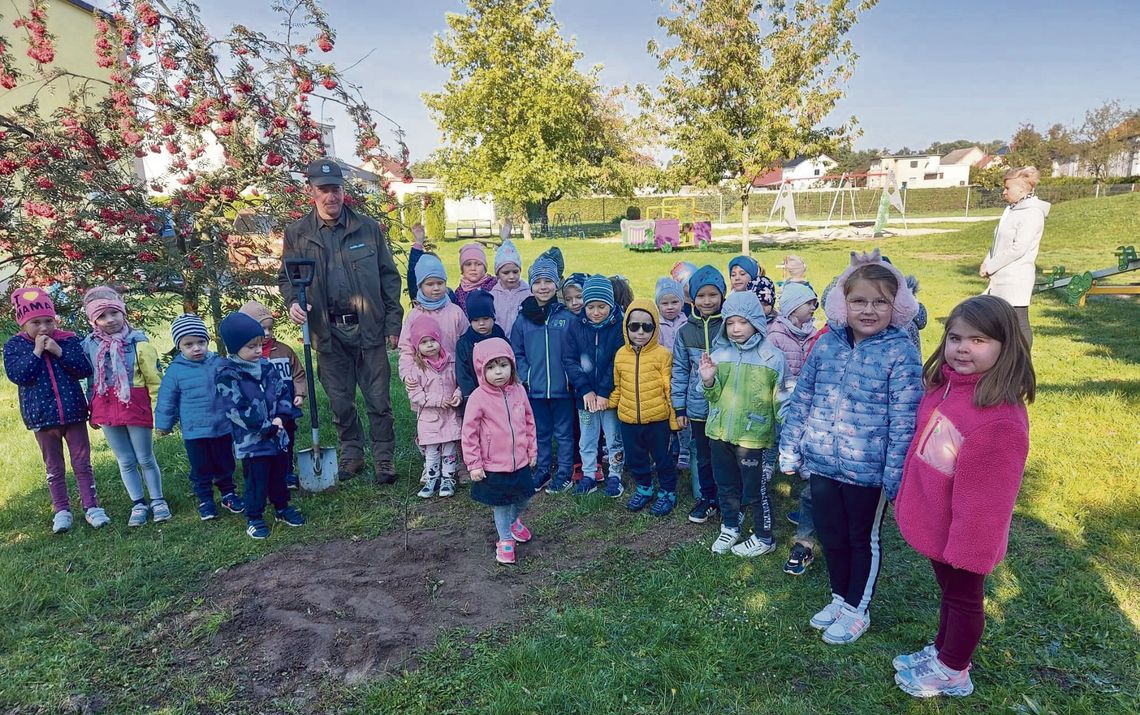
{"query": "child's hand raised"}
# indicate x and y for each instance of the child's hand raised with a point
(419, 233)
(477, 475)
(505, 230)
(707, 369)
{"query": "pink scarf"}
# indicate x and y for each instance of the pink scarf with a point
(487, 282)
(113, 351)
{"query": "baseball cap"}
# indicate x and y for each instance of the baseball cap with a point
(324, 172)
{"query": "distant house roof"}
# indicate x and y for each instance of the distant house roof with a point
(1002, 151)
(956, 156)
(985, 161)
(88, 7)
(906, 156)
(824, 158)
(774, 177)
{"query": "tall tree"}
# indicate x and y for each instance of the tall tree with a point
(747, 85)
(1101, 139)
(227, 114)
(1029, 148)
(520, 122)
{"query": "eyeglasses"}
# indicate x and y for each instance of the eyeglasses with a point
(881, 305)
(640, 327)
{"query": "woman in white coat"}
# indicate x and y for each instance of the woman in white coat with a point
(1010, 264)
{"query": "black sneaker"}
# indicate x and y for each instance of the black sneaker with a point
(798, 561)
(702, 510)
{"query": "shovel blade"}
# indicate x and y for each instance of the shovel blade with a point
(317, 473)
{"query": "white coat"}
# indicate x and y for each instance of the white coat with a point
(1011, 262)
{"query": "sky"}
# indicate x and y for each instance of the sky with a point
(928, 70)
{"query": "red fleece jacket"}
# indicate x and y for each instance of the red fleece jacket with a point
(961, 476)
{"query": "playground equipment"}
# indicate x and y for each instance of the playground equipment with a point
(1081, 285)
(674, 222)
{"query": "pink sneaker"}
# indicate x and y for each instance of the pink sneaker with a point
(505, 551)
(520, 532)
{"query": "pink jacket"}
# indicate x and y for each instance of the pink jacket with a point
(452, 324)
(507, 304)
(435, 423)
(668, 332)
(784, 338)
(961, 476)
(498, 424)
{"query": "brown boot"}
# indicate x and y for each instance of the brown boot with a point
(349, 467)
(385, 471)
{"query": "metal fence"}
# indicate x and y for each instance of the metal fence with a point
(819, 204)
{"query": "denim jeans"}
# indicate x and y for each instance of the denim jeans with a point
(592, 425)
(134, 450)
(506, 515)
(554, 424)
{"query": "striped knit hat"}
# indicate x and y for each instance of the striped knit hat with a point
(541, 268)
(598, 288)
(188, 325)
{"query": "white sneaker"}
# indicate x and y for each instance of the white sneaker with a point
(61, 522)
(910, 660)
(827, 615)
(139, 513)
(96, 517)
(725, 541)
(848, 626)
(447, 488)
(428, 489)
(754, 546)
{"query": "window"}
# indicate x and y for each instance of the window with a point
(914, 165)
(817, 172)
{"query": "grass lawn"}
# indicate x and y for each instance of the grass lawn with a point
(124, 621)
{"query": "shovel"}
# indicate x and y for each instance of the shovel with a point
(316, 467)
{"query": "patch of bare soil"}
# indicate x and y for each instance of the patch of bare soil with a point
(346, 611)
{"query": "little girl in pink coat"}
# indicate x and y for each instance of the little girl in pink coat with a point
(435, 395)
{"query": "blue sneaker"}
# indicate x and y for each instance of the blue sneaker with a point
(664, 504)
(207, 510)
(794, 517)
(233, 503)
(586, 485)
(614, 489)
(540, 482)
(290, 516)
(560, 485)
(640, 499)
(292, 481)
(257, 529)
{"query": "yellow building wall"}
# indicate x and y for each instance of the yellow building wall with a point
(74, 31)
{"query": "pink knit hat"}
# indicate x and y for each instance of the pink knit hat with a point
(425, 326)
(32, 302)
(101, 299)
(472, 251)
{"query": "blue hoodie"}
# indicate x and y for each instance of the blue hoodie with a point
(588, 352)
(536, 339)
(189, 395)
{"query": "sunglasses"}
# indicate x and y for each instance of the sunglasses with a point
(640, 327)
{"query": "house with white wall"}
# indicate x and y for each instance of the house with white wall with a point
(918, 171)
(803, 172)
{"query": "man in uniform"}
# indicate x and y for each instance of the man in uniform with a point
(354, 315)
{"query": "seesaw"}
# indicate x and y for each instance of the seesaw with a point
(1079, 286)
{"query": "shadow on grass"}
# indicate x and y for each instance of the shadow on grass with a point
(1107, 322)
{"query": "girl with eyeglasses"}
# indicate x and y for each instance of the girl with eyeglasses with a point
(848, 426)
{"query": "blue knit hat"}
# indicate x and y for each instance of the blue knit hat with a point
(576, 279)
(237, 330)
(598, 288)
(480, 304)
(668, 286)
(541, 268)
(793, 295)
(706, 276)
(746, 264)
(188, 325)
(507, 253)
(429, 266)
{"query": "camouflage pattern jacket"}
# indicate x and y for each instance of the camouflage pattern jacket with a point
(252, 394)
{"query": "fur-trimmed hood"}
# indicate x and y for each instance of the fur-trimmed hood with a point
(906, 305)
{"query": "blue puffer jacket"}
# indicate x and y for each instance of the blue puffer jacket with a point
(536, 339)
(687, 391)
(851, 416)
(189, 395)
(588, 354)
(50, 390)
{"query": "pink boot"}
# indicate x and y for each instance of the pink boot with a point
(505, 551)
(520, 532)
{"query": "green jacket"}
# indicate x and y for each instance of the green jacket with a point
(748, 395)
(376, 298)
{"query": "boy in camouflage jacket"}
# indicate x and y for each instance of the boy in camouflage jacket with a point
(257, 402)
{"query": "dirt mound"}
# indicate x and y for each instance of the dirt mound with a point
(351, 610)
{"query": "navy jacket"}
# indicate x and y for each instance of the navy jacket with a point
(536, 338)
(50, 390)
(465, 375)
(189, 395)
(588, 354)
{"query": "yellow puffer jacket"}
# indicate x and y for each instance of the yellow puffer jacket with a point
(641, 377)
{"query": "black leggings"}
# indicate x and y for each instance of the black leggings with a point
(848, 520)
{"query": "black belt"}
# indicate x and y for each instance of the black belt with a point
(344, 319)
